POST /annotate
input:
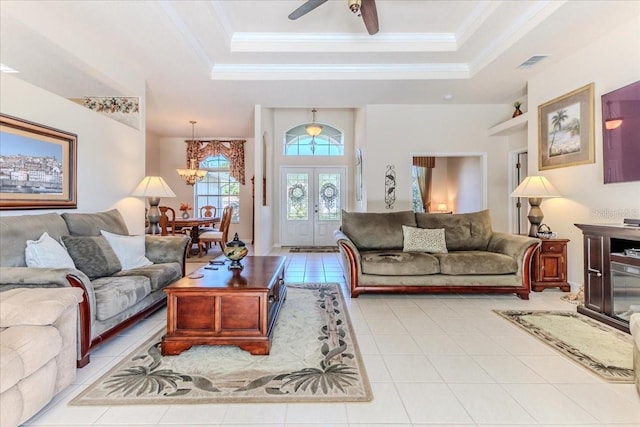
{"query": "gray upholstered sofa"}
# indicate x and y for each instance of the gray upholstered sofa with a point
(475, 259)
(37, 348)
(113, 298)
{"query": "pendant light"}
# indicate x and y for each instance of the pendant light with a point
(192, 174)
(313, 129)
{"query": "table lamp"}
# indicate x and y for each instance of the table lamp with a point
(535, 188)
(153, 187)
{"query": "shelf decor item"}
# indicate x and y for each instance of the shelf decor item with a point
(235, 250)
(565, 130)
(517, 111)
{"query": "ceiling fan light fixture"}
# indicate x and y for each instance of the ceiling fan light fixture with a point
(354, 5)
(313, 129)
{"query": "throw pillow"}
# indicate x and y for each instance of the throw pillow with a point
(46, 252)
(130, 250)
(424, 240)
(92, 255)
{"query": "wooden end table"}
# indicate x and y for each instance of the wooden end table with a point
(549, 269)
(226, 307)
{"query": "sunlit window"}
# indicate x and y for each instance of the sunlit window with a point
(218, 188)
(298, 143)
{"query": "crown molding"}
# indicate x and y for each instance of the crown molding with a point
(339, 71)
(342, 42)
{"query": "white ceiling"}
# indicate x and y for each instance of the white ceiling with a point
(212, 61)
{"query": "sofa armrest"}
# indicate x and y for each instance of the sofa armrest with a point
(350, 260)
(518, 247)
(160, 249)
(36, 306)
(33, 278)
(27, 277)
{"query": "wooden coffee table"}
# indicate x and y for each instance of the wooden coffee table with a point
(226, 307)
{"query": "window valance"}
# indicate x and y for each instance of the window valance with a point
(233, 150)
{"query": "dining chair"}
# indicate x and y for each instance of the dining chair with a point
(218, 236)
(208, 211)
(167, 220)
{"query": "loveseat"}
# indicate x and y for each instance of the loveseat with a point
(407, 252)
(37, 348)
(120, 287)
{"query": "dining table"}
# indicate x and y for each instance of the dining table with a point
(195, 223)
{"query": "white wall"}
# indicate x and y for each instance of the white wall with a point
(611, 62)
(111, 155)
(264, 237)
(394, 132)
(170, 154)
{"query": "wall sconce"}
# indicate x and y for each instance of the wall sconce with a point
(535, 188)
(153, 187)
(192, 174)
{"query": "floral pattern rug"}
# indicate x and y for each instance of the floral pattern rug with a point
(603, 350)
(314, 358)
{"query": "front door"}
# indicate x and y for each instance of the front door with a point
(312, 202)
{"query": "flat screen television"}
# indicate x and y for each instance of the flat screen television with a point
(621, 134)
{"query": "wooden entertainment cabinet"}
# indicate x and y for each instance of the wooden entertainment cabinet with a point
(611, 277)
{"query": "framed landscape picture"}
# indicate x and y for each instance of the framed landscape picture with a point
(566, 130)
(37, 166)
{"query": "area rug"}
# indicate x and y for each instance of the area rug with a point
(314, 249)
(603, 350)
(314, 358)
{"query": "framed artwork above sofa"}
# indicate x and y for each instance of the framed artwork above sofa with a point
(38, 166)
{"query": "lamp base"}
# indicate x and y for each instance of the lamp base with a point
(535, 215)
(153, 215)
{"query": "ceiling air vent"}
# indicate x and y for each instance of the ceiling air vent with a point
(532, 61)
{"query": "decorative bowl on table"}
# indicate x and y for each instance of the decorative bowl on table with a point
(235, 250)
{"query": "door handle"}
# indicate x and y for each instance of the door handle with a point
(596, 272)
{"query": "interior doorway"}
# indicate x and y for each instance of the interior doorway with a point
(313, 199)
(458, 182)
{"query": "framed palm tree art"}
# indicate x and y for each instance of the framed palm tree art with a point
(566, 130)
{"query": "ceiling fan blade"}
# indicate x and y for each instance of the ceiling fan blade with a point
(305, 8)
(370, 16)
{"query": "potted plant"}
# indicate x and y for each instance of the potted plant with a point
(185, 208)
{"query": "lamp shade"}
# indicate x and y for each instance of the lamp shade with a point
(536, 187)
(153, 186)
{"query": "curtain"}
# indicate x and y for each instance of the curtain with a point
(424, 166)
(233, 150)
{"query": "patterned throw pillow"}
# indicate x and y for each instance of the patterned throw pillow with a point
(92, 255)
(424, 240)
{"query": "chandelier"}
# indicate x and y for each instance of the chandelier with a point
(192, 174)
(313, 129)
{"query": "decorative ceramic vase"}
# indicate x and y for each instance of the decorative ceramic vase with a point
(235, 250)
(185, 214)
(517, 112)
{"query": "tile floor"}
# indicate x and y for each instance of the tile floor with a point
(432, 360)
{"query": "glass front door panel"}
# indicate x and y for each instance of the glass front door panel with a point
(329, 206)
(297, 196)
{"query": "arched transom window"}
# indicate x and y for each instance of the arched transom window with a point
(298, 143)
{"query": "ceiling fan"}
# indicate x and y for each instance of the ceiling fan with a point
(365, 8)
